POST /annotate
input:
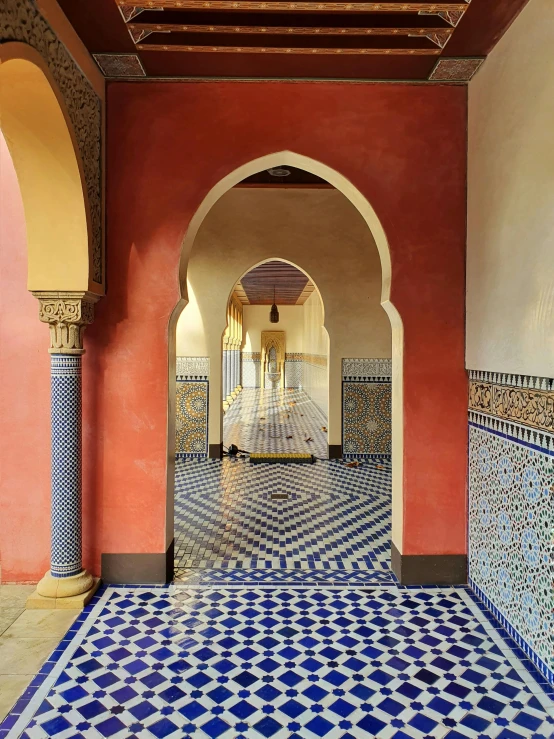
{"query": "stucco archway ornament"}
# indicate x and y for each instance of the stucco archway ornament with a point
(360, 202)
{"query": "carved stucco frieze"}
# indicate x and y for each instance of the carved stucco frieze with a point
(67, 314)
(20, 20)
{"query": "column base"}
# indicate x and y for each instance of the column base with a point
(36, 601)
(64, 587)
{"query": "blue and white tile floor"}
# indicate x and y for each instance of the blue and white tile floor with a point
(335, 517)
(263, 421)
(202, 663)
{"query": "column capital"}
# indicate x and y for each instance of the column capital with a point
(67, 314)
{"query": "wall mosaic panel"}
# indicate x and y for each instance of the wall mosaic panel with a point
(20, 20)
(366, 407)
(294, 373)
(251, 372)
(191, 422)
(511, 508)
(191, 406)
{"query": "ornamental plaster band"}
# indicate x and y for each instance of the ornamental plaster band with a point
(66, 584)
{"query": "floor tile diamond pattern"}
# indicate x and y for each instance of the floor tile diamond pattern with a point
(335, 517)
(245, 664)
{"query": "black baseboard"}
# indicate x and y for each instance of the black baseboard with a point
(335, 451)
(215, 451)
(429, 569)
(137, 569)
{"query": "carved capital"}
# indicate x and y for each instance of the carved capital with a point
(67, 314)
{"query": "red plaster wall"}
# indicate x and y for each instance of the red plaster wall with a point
(24, 400)
(403, 147)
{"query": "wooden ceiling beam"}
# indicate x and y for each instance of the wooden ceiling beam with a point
(438, 36)
(288, 50)
(356, 6)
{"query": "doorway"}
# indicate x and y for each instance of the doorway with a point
(255, 384)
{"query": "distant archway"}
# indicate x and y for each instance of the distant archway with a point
(365, 209)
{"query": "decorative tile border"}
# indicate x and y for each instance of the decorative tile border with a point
(378, 370)
(271, 578)
(294, 357)
(191, 419)
(520, 404)
(318, 360)
(544, 670)
(251, 356)
(193, 368)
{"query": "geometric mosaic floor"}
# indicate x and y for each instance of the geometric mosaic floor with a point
(261, 421)
(201, 663)
(335, 517)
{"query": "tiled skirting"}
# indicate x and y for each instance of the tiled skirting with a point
(366, 408)
(511, 507)
(191, 407)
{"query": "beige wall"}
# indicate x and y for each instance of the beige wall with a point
(322, 233)
(316, 341)
(510, 260)
(256, 320)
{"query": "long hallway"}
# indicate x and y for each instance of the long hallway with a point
(276, 421)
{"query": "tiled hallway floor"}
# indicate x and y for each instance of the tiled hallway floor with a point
(335, 517)
(201, 663)
(262, 421)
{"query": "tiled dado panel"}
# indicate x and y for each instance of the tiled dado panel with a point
(251, 363)
(295, 369)
(191, 407)
(511, 506)
(366, 407)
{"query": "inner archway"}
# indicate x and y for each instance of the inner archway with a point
(222, 253)
(276, 359)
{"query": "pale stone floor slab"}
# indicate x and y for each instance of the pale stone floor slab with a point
(26, 640)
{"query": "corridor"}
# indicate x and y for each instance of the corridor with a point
(276, 421)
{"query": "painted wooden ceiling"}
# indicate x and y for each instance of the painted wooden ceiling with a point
(438, 41)
(292, 287)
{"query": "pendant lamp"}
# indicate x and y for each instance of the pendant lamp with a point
(274, 313)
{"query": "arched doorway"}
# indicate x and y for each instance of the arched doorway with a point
(276, 372)
(40, 144)
(209, 284)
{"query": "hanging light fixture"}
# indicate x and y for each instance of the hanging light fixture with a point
(274, 313)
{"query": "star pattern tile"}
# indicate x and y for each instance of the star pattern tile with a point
(388, 663)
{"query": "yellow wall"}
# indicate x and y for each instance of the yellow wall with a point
(510, 259)
(49, 177)
(316, 342)
(256, 320)
(322, 233)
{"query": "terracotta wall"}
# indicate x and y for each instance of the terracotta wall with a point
(403, 147)
(24, 400)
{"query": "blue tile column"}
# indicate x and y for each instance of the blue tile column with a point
(67, 315)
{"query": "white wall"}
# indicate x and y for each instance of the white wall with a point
(322, 233)
(510, 259)
(256, 319)
(316, 341)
